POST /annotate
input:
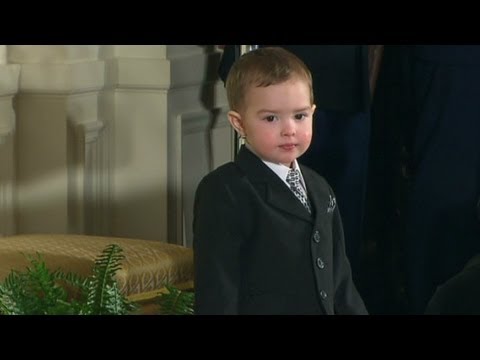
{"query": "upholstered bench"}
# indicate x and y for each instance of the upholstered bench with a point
(148, 265)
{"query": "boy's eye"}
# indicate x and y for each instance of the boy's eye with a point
(300, 116)
(270, 118)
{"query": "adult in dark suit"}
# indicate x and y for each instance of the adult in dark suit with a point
(257, 249)
(432, 130)
(459, 295)
(341, 129)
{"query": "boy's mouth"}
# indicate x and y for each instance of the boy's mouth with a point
(288, 146)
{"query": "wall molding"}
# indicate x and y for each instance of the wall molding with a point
(9, 77)
(62, 79)
(7, 222)
(159, 74)
(193, 121)
(87, 166)
(106, 122)
(9, 74)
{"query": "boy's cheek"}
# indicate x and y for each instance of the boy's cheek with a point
(307, 136)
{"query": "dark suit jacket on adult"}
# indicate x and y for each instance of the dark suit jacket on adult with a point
(429, 114)
(258, 251)
(460, 295)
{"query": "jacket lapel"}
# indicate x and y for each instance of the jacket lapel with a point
(269, 186)
(314, 196)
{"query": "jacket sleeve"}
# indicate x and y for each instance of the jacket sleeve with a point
(347, 299)
(217, 245)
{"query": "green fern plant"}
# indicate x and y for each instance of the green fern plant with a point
(38, 291)
(34, 292)
(103, 294)
(176, 301)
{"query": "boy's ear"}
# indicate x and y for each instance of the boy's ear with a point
(313, 108)
(236, 121)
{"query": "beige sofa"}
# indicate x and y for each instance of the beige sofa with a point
(148, 265)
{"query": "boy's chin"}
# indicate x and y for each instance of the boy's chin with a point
(287, 162)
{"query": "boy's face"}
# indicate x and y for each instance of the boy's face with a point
(276, 120)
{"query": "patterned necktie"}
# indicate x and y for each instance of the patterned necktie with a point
(293, 179)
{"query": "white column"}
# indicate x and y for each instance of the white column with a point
(135, 105)
(58, 127)
(113, 139)
(198, 132)
(156, 90)
(9, 75)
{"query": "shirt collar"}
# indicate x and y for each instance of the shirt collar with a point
(280, 169)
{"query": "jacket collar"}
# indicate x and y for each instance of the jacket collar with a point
(270, 186)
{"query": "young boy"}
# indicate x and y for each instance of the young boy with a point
(268, 236)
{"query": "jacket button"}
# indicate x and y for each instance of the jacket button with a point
(316, 236)
(406, 173)
(323, 294)
(320, 263)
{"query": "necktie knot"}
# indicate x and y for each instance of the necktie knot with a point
(293, 180)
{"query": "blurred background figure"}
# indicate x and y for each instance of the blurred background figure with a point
(459, 295)
(425, 171)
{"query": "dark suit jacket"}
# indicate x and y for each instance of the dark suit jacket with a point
(425, 140)
(258, 251)
(448, 54)
(460, 295)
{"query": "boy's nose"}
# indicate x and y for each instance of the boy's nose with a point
(288, 128)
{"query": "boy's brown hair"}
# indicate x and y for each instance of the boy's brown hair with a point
(264, 67)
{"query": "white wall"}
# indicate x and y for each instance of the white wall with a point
(109, 139)
(58, 124)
